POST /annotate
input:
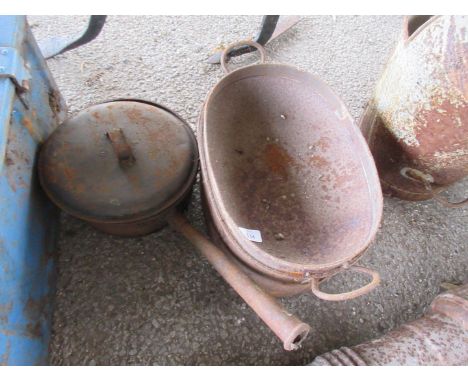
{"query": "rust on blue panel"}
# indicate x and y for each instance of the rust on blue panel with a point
(30, 109)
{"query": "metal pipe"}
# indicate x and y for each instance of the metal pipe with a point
(286, 326)
(440, 337)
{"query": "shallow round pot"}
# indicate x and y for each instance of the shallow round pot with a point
(290, 185)
(122, 166)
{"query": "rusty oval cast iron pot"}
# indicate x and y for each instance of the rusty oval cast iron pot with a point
(290, 186)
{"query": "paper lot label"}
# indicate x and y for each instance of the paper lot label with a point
(252, 234)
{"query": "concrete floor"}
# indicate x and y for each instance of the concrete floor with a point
(154, 300)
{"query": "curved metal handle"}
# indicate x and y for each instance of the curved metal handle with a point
(347, 295)
(426, 180)
(225, 55)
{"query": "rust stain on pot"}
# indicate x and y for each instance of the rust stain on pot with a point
(277, 159)
(136, 116)
(324, 143)
(319, 161)
(96, 116)
(70, 174)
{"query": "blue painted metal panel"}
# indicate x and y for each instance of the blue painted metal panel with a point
(27, 218)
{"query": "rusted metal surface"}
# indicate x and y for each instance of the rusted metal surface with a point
(283, 162)
(27, 219)
(417, 121)
(440, 337)
(286, 326)
(120, 165)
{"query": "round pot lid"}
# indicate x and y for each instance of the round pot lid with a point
(119, 161)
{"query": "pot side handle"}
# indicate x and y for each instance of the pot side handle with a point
(314, 285)
(225, 54)
(426, 180)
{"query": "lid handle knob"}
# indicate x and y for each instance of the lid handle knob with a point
(121, 147)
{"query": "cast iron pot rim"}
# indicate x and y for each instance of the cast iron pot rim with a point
(241, 247)
(149, 213)
(425, 24)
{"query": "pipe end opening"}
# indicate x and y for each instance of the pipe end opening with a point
(297, 337)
